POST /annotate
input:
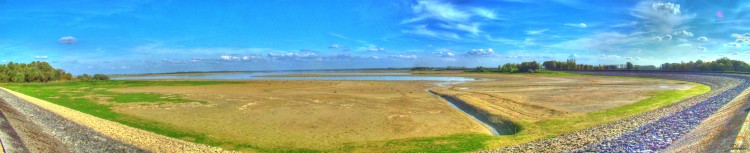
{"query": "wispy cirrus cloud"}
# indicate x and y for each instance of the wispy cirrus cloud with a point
(536, 32)
(422, 30)
(577, 25)
(445, 20)
(404, 56)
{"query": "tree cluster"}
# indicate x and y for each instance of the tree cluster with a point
(570, 65)
(34, 72)
(523, 67)
(96, 77)
(719, 65)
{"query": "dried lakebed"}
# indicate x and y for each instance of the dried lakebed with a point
(719, 84)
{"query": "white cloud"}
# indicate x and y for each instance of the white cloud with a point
(702, 38)
(683, 33)
(472, 28)
(660, 17)
(536, 32)
(228, 58)
(302, 55)
(628, 24)
(577, 25)
(247, 58)
(657, 38)
(486, 13)
(423, 31)
(702, 48)
(404, 56)
(481, 52)
(667, 8)
(338, 35)
(170, 61)
(447, 21)
(375, 49)
(742, 38)
(336, 46)
(668, 37)
(40, 57)
(447, 12)
(444, 53)
(632, 58)
(67, 40)
(439, 11)
(733, 44)
(609, 56)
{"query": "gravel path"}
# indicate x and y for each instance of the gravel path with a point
(80, 132)
(653, 130)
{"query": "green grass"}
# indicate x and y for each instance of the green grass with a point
(52, 92)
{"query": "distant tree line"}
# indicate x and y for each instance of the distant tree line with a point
(39, 71)
(719, 65)
(570, 65)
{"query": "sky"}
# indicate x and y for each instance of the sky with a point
(153, 36)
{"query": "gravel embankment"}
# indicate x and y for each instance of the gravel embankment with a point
(653, 130)
(24, 135)
(81, 132)
(75, 137)
(718, 132)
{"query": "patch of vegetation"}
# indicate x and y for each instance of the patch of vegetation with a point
(36, 71)
(450, 143)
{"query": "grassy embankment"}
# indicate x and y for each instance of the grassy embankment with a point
(562, 125)
(451, 143)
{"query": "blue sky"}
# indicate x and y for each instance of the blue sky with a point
(149, 36)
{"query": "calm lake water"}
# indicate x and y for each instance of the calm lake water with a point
(265, 76)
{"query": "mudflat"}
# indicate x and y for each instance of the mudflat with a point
(535, 97)
(368, 116)
(305, 114)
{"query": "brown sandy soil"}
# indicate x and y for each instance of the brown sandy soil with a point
(306, 114)
(535, 97)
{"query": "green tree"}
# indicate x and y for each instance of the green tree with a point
(84, 77)
(629, 66)
(100, 77)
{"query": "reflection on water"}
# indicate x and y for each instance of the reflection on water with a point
(264, 76)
